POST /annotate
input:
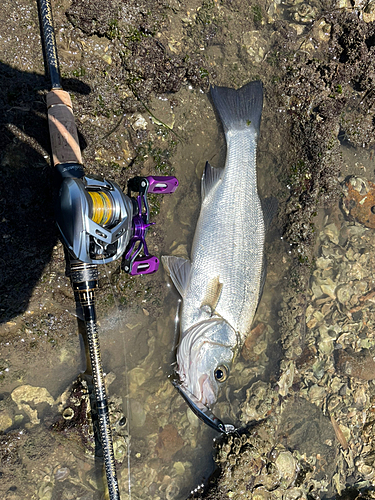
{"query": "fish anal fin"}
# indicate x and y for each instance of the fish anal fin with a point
(210, 178)
(212, 296)
(178, 269)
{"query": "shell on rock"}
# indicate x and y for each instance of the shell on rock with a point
(287, 467)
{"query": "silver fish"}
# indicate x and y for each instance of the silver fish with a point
(222, 283)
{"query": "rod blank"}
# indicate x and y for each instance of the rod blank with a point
(50, 42)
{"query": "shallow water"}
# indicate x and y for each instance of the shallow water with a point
(170, 450)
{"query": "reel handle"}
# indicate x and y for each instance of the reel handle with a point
(62, 128)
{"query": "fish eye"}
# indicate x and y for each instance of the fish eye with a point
(221, 373)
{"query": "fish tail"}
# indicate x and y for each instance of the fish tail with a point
(239, 109)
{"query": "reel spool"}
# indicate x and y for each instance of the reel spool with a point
(94, 218)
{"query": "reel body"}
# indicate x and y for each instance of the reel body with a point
(95, 219)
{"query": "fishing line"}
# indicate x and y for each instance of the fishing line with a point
(126, 378)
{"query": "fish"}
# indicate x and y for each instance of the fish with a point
(221, 284)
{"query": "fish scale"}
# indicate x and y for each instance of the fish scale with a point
(228, 241)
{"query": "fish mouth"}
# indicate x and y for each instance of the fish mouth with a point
(204, 391)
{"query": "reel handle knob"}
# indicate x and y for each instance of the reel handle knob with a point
(144, 265)
(162, 184)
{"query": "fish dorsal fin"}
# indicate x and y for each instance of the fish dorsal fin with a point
(178, 269)
(212, 296)
(269, 207)
(210, 178)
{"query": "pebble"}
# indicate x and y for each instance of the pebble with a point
(355, 364)
(169, 442)
(5, 420)
(62, 473)
(359, 201)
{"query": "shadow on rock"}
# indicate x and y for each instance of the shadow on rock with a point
(28, 186)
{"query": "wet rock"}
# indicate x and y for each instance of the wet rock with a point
(253, 466)
(137, 377)
(29, 394)
(302, 12)
(172, 490)
(10, 445)
(286, 379)
(78, 417)
(344, 293)
(193, 419)
(307, 358)
(359, 201)
(179, 468)
(251, 340)
(369, 12)
(169, 442)
(138, 414)
(317, 394)
(286, 464)
(322, 30)
(256, 46)
(45, 490)
(94, 17)
(322, 98)
(260, 400)
(304, 428)
(355, 364)
(332, 231)
(162, 112)
(75, 422)
(156, 71)
(6, 420)
(328, 287)
(120, 450)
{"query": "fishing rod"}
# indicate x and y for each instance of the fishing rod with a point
(98, 224)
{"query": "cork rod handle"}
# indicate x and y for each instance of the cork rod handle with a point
(62, 128)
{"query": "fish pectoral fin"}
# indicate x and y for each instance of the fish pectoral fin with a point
(210, 178)
(178, 269)
(212, 296)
